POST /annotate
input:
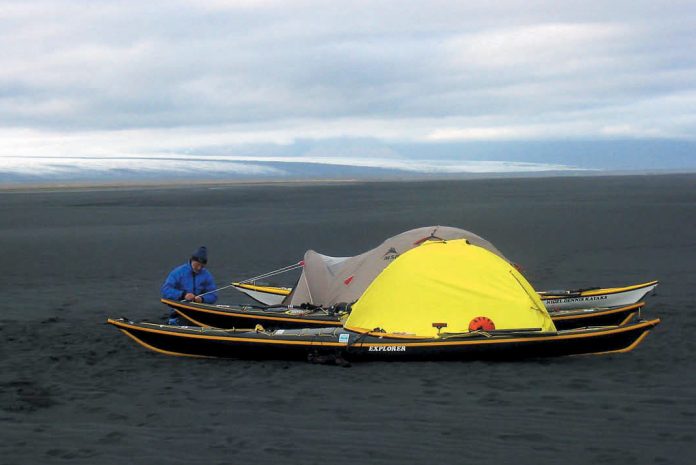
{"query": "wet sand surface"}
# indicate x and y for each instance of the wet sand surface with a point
(75, 390)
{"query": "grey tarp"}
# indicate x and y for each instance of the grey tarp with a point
(326, 280)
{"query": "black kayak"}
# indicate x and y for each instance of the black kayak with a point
(336, 342)
(245, 316)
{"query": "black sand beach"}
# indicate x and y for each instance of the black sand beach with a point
(74, 390)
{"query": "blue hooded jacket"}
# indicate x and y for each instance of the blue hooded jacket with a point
(183, 279)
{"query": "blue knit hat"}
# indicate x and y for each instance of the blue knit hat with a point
(200, 255)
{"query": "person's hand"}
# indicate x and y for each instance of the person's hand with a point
(189, 296)
(198, 299)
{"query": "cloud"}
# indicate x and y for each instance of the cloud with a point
(114, 78)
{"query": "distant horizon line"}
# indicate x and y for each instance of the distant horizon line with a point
(180, 183)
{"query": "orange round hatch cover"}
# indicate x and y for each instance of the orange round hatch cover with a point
(481, 323)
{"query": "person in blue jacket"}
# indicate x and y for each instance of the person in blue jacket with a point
(190, 281)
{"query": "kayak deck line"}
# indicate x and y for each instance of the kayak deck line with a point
(322, 318)
(544, 295)
(157, 349)
(266, 289)
(225, 316)
(197, 333)
(560, 315)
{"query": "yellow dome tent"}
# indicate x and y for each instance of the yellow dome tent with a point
(448, 283)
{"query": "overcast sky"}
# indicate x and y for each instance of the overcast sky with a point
(251, 78)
